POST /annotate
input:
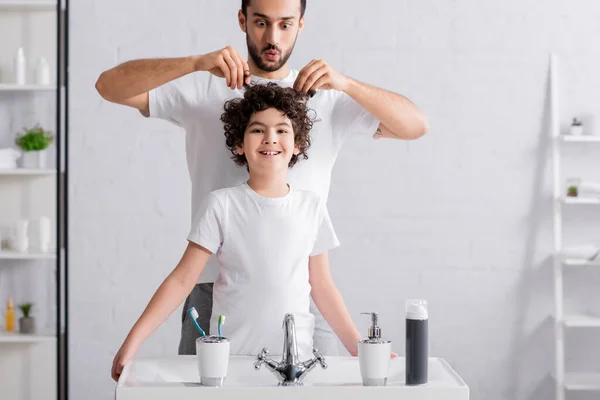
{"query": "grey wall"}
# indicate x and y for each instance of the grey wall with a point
(461, 217)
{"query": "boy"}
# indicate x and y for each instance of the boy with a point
(271, 240)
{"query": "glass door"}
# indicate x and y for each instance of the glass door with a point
(32, 201)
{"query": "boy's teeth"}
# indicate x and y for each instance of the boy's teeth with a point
(269, 153)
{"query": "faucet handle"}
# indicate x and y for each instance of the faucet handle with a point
(261, 358)
(320, 358)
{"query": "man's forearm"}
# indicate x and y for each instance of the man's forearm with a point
(394, 111)
(135, 77)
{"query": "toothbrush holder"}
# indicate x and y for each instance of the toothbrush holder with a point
(213, 359)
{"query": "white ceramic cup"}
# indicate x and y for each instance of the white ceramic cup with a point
(374, 360)
(213, 359)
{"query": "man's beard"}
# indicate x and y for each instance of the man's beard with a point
(255, 55)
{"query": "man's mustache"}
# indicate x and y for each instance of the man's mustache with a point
(271, 47)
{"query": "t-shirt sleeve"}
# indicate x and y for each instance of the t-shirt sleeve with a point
(207, 229)
(326, 238)
(350, 119)
(171, 100)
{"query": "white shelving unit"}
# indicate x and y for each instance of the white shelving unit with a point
(567, 381)
(581, 321)
(581, 200)
(13, 87)
(27, 172)
(580, 262)
(582, 382)
(29, 361)
(580, 139)
(13, 255)
(28, 5)
(25, 339)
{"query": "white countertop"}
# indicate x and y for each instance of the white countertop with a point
(177, 378)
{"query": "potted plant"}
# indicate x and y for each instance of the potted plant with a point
(34, 142)
(26, 322)
(576, 128)
(572, 191)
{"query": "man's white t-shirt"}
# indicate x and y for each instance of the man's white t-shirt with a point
(263, 246)
(195, 102)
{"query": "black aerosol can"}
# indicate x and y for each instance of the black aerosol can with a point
(416, 342)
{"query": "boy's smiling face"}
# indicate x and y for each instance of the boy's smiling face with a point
(268, 142)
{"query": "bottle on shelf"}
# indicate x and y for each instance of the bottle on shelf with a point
(21, 236)
(20, 67)
(10, 316)
(44, 234)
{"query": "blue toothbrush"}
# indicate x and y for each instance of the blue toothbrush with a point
(194, 316)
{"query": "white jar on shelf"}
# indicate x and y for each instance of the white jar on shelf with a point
(34, 159)
(42, 72)
(576, 128)
(8, 158)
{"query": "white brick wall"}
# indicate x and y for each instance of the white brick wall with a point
(460, 217)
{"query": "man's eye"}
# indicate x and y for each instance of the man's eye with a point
(260, 23)
(286, 26)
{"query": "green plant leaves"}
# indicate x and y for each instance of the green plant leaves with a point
(26, 309)
(34, 139)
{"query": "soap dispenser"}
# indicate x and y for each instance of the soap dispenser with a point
(374, 355)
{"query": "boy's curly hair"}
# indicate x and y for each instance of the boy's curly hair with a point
(260, 97)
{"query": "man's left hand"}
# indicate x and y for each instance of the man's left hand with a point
(317, 74)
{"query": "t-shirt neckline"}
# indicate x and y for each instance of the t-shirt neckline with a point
(256, 79)
(268, 200)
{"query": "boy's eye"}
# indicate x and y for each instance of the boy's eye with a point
(282, 131)
(256, 130)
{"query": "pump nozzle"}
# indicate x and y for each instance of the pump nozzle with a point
(374, 330)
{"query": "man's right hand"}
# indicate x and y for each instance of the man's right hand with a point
(226, 63)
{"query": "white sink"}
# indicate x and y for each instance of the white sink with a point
(177, 378)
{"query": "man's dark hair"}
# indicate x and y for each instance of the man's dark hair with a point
(246, 3)
(259, 97)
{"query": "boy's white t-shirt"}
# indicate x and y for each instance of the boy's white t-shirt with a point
(263, 246)
(195, 102)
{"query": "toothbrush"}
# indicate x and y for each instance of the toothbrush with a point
(194, 315)
(221, 322)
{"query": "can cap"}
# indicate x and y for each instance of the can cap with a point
(416, 309)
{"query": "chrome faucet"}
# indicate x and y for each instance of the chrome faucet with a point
(290, 371)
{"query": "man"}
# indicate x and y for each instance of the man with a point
(190, 92)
